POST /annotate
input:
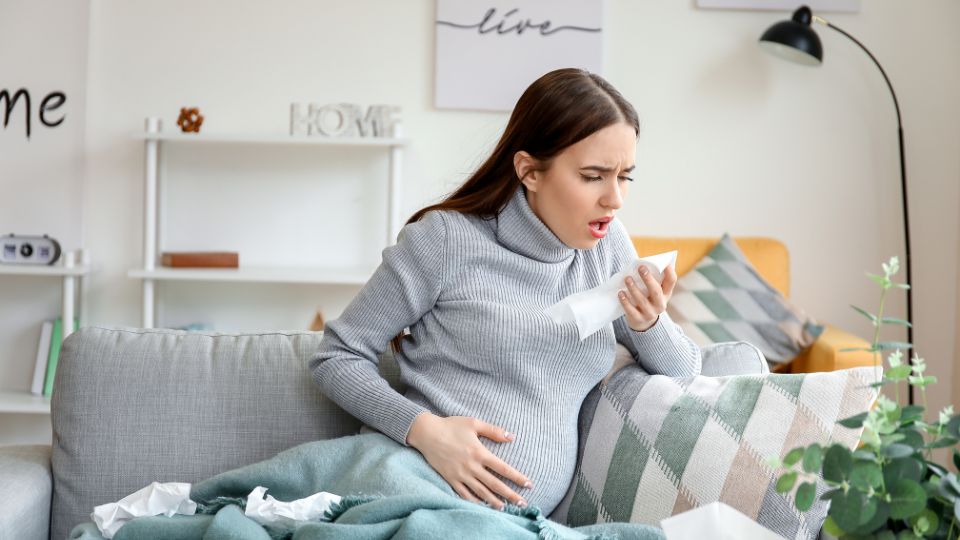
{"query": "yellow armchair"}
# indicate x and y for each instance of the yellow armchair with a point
(772, 261)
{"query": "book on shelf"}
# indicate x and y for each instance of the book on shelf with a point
(200, 259)
(43, 350)
(48, 354)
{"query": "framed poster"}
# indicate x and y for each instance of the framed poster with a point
(849, 6)
(489, 51)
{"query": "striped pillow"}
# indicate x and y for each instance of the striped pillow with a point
(652, 446)
(723, 298)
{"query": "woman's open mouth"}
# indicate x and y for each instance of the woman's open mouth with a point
(599, 228)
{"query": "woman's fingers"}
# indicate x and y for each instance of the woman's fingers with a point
(481, 490)
(464, 492)
(495, 485)
(492, 432)
(654, 290)
(500, 467)
(669, 280)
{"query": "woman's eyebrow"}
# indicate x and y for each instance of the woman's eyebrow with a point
(600, 168)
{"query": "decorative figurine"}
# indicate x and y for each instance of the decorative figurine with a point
(190, 120)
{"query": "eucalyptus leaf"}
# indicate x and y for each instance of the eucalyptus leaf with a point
(792, 457)
(830, 527)
(855, 421)
(893, 320)
(785, 483)
(865, 475)
(925, 522)
(906, 498)
(870, 316)
(849, 349)
(897, 450)
(909, 468)
(953, 428)
(911, 413)
(890, 345)
(836, 465)
(899, 373)
(911, 437)
(945, 442)
(956, 458)
(805, 495)
(812, 458)
(846, 508)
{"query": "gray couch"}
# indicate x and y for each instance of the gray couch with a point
(131, 406)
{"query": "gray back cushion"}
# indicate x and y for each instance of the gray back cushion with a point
(131, 406)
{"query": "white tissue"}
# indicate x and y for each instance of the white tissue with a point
(715, 520)
(270, 511)
(595, 308)
(158, 498)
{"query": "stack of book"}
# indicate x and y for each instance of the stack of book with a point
(48, 353)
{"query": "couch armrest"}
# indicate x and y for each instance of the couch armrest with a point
(825, 355)
(25, 473)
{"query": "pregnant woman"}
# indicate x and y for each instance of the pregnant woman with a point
(494, 384)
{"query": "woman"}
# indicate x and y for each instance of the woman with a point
(495, 385)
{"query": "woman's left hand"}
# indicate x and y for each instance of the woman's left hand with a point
(642, 311)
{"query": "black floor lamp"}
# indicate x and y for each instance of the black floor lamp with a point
(795, 40)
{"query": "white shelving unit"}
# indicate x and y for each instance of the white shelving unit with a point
(71, 273)
(152, 272)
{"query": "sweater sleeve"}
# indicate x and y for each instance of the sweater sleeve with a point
(404, 287)
(663, 348)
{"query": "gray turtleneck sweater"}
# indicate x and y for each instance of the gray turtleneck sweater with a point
(472, 291)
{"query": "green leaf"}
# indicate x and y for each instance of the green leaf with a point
(805, 496)
(812, 458)
(911, 413)
(865, 475)
(836, 465)
(909, 468)
(925, 522)
(849, 349)
(897, 450)
(847, 508)
(956, 458)
(953, 428)
(911, 437)
(890, 345)
(792, 457)
(830, 527)
(870, 316)
(902, 285)
(893, 320)
(906, 498)
(899, 373)
(786, 482)
(881, 513)
(945, 442)
(880, 280)
(855, 421)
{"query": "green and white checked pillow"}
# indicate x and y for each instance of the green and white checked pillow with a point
(652, 446)
(723, 298)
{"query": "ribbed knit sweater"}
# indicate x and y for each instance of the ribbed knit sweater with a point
(472, 292)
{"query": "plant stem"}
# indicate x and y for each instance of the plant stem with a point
(876, 339)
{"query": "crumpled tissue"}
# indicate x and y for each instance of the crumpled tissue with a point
(595, 308)
(269, 511)
(715, 520)
(167, 498)
(171, 498)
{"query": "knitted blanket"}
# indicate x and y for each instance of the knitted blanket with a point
(389, 491)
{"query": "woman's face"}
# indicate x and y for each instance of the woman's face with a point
(585, 182)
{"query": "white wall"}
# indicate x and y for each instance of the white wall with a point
(43, 45)
(733, 140)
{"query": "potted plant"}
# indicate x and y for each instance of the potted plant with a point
(889, 487)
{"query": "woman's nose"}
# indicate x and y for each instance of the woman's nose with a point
(612, 198)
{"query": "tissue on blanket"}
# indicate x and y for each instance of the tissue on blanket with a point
(595, 308)
(167, 498)
(270, 511)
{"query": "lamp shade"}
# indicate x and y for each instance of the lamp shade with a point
(794, 40)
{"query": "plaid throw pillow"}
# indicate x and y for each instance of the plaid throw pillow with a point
(652, 446)
(723, 298)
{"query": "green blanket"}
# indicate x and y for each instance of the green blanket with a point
(389, 491)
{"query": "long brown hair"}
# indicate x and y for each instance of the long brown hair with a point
(559, 109)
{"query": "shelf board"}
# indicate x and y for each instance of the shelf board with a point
(274, 139)
(23, 402)
(44, 270)
(263, 274)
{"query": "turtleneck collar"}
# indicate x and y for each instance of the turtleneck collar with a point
(520, 230)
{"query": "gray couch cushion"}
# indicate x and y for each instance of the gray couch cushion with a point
(25, 471)
(131, 406)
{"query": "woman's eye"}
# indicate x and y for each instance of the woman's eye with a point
(592, 178)
(626, 178)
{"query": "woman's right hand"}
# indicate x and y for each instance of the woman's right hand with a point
(451, 445)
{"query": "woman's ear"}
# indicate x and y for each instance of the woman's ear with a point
(526, 167)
